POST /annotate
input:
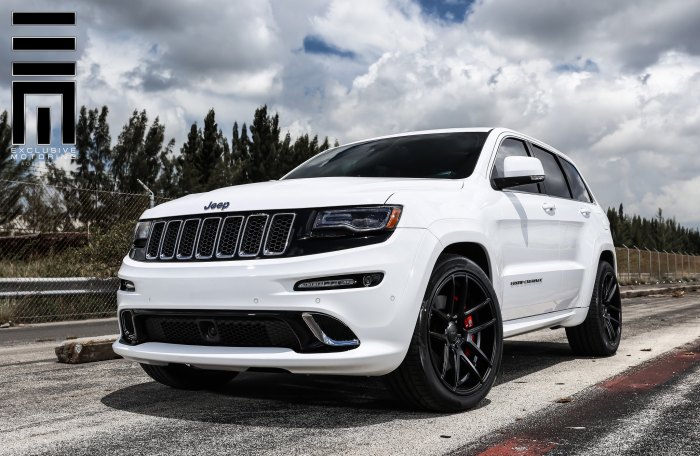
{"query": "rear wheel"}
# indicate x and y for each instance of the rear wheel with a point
(600, 333)
(456, 348)
(181, 376)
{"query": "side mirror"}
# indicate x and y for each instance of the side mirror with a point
(519, 171)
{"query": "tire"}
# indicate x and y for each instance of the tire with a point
(472, 340)
(600, 333)
(181, 376)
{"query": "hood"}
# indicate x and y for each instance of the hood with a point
(299, 193)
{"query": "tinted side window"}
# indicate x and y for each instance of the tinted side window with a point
(554, 180)
(511, 147)
(578, 188)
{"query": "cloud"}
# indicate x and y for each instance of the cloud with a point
(628, 35)
(616, 85)
(631, 131)
(678, 200)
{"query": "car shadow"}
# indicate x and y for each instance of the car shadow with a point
(309, 401)
(272, 400)
(521, 358)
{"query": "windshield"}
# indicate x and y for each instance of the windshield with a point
(433, 156)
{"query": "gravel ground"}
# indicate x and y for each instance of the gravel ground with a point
(113, 407)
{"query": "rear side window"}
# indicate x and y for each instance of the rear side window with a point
(512, 148)
(578, 188)
(554, 180)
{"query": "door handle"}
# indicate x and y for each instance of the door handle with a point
(585, 211)
(548, 207)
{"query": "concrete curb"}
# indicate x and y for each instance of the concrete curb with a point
(86, 350)
(655, 291)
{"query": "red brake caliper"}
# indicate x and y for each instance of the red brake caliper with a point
(468, 324)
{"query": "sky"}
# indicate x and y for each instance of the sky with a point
(614, 85)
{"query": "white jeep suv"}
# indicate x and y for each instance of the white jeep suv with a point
(408, 256)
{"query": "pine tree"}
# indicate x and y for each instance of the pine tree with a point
(93, 144)
(129, 160)
(11, 172)
(168, 181)
(151, 152)
(264, 146)
(101, 155)
(658, 233)
(83, 143)
(241, 157)
(286, 156)
(210, 154)
(189, 174)
(325, 145)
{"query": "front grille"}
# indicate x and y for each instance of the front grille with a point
(219, 331)
(220, 237)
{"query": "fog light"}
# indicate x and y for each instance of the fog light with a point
(371, 280)
(340, 282)
(127, 285)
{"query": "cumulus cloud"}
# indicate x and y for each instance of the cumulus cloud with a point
(616, 85)
(624, 112)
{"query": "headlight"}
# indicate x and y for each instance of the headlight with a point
(335, 222)
(143, 229)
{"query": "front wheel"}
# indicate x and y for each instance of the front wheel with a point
(600, 333)
(181, 376)
(456, 348)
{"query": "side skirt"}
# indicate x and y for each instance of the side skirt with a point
(568, 317)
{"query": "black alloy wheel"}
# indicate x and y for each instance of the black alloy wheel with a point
(457, 344)
(610, 308)
(601, 331)
(462, 330)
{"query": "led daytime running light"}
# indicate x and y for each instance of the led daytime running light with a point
(327, 283)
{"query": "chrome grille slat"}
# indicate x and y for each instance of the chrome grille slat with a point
(172, 232)
(221, 237)
(154, 241)
(229, 236)
(277, 238)
(206, 240)
(188, 237)
(252, 238)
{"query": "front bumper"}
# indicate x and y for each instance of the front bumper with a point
(382, 317)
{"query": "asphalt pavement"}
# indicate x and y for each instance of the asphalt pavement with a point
(644, 400)
(58, 332)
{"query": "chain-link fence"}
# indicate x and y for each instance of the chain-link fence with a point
(635, 265)
(59, 254)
